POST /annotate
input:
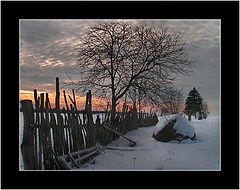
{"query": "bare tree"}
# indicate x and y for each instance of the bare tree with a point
(113, 57)
(173, 100)
(149, 93)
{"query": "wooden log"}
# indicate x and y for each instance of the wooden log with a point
(27, 146)
(81, 152)
(119, 148)
(73, 161)
(100, 148)
(87, 156)
(132, 143)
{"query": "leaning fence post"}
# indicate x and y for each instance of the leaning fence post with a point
(27, 146)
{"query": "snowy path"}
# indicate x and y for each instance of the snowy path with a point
(150, 154)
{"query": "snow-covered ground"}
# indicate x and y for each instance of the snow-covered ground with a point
(149, 154)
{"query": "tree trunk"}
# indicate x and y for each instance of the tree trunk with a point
(114, 105)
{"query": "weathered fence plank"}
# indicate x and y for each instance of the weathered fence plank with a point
(57, 98)
(27, 146)
(43, 134)
(36, 136)
(39, 140)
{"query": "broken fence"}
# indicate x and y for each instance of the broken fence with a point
(51, 133)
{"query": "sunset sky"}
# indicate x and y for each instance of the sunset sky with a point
(46, 48)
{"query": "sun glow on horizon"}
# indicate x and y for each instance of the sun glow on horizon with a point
(97, 103)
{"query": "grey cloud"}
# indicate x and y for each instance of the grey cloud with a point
(39, 31)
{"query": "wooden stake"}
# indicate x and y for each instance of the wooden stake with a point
(27, 146)
(37, 135)
(57, 94)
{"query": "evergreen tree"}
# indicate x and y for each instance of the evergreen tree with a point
(193, 104)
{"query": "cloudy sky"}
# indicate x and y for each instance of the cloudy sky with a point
(46, 48)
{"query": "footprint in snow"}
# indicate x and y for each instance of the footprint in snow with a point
(168, 159)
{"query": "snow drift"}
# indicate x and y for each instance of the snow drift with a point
(176, 128)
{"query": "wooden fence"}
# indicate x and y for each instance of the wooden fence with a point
(55, 132)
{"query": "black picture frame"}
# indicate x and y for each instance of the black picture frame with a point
(12, 11)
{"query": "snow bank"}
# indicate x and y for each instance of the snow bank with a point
(183, 126)
(180, 126)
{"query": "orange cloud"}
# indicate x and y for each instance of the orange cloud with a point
(98, 103)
